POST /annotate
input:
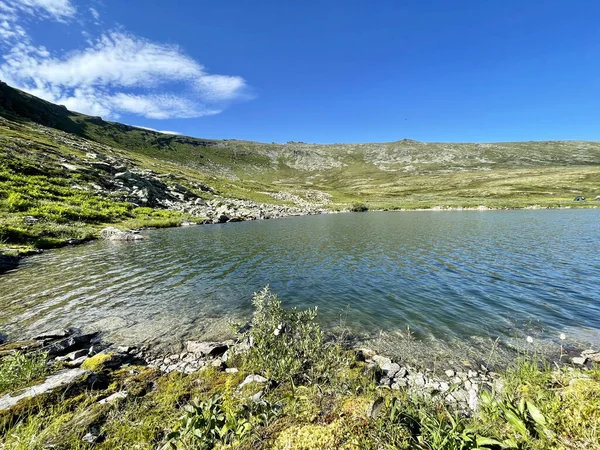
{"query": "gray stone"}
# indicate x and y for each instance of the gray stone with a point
(124, 349)
(579, 361)
(77, 354)
(461, 396)
(419, 380)
(212, 349)
(52, 334)
(592, 355)
(232, 370)
(401, 373)
(385, 381)
(388, 368)
(473, 400)
(69, 344)
(114, 398)
(252, 379)
(400, 383)
(114, 234)
(258, 396)
(90, 438)
(77, 362)
(374, 408)
(218, 364)
(58, 380)
(450, 373)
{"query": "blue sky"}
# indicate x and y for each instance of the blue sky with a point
(316, 71)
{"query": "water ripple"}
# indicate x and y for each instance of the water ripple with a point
(451, 276)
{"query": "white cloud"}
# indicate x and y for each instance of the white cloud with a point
(95, 14)
(159, 106)
(158, 131)
(114, 74)
(60, 10)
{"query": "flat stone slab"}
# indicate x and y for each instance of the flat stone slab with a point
(58, 380)
(53, 334)
(213, 349)
(253, 379)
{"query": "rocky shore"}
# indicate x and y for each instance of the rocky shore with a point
(73, 356)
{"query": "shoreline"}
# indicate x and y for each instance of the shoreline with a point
(9, 257)
(286, 381)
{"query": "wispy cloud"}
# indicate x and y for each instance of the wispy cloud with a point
(113, 74)
(158, 131)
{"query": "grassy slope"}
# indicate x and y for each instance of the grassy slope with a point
(399, 175)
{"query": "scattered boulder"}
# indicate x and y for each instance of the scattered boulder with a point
(388, 368)
(252, 379)
(114, 234)
(53, 334)
(209, 349)
(114, 397)
(579, 360)
(70, 344)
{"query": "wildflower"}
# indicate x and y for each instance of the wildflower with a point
(530, 339)
(562, 336)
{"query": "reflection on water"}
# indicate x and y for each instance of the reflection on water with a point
(454, 278)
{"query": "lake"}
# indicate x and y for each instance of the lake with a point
(447, 284)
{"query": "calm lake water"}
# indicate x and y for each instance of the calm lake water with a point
(457, 280)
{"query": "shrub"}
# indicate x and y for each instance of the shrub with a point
(206, 423)
(359, 207)
(289, 344)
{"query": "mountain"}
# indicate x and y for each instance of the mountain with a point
(63, 175)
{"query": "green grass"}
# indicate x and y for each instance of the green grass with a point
(20, 369)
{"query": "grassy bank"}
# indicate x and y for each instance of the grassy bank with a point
(318, 396)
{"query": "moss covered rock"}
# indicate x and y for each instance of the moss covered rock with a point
(102, 361)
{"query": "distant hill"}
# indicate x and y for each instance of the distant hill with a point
(39, 139)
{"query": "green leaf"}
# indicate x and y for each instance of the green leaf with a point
(485, 441)
(516, 422)
(536, 414)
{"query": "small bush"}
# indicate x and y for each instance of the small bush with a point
(359, 207)
(289, 344)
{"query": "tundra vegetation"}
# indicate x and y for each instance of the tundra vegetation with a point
(58, 186)
(315, 394)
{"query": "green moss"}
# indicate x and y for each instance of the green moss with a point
(98, 362)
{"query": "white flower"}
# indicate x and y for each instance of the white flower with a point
(530, 339)
(562, 336)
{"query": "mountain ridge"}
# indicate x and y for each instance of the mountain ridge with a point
(53, 172)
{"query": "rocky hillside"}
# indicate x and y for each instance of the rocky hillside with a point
(64, 175)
